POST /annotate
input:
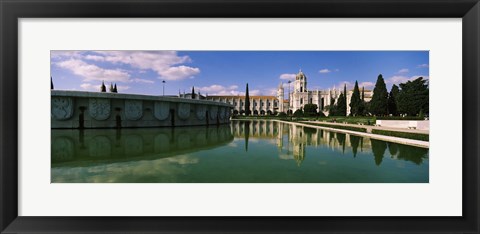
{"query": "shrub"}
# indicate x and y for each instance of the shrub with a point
(342, 127)
(298, 113)
(321, 114)
(282, 114)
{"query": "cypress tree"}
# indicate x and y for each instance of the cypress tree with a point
(363, 93)
(392, 101)
(355, 101)
(345, 94)
(115, 88)
(103, 89)
(341, 108)
(111, 88)
(362, 107)
(247, 102)
(379, 102)
(51, 83)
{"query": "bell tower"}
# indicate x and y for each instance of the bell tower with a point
(280, 97)
(300, 82)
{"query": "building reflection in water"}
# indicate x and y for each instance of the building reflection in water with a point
(111, 145)
(292, 141)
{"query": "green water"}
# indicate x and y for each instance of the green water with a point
(241, 152)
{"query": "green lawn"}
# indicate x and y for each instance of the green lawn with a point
(408, 135)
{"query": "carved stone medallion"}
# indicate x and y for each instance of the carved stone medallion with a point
(183, 110)
(200, 111)
(213, 112)
(161, 110)
(62, 108)
(99, 108)
(221, 112)
(133, 109)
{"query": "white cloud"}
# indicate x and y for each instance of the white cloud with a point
(423, 65)
(163, 62)
(366, 85)
(351, 85)
(402, 79)
(179, 73)
(145, 81)
(219, 90)
(91, 87)
(287, 76)
(121, 88)
(325, 70)
(403, 70)
(95, 57)
(91, 72)
(59, 54)
(230, 90)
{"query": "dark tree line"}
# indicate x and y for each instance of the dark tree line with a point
(410, 99)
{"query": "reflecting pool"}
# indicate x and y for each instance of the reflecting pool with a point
(259, 151)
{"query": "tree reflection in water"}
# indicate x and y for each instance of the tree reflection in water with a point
(378, 149)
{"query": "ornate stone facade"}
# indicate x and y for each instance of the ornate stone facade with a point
(62, 108)
(99, 108)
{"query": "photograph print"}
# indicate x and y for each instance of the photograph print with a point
(162, 116)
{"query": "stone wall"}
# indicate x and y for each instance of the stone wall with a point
(405, 124)
(74, 109)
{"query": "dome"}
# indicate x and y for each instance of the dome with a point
(300, 76)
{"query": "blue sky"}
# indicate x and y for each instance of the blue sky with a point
(227, 72)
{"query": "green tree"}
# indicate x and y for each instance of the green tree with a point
(341, 108)
(345, 97)
(51, 82)
(298, 113)
(115, 88)
(379, 102)
(361, 107)
(193, 92)
(332, 108)
(247, 102)
(392, 101)
(355, 101)
(310, 109)
(413, 97)
(111, 88)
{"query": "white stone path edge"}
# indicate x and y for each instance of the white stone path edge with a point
(423, 144)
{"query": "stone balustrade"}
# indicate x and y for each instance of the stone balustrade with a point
(75, 109)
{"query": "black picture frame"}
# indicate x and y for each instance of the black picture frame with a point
(11, 11)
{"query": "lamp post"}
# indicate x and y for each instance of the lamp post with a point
(163, 87)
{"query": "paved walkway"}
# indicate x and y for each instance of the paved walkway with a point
(369, 127)
(423, 144)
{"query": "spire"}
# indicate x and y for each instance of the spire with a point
(103, 89)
